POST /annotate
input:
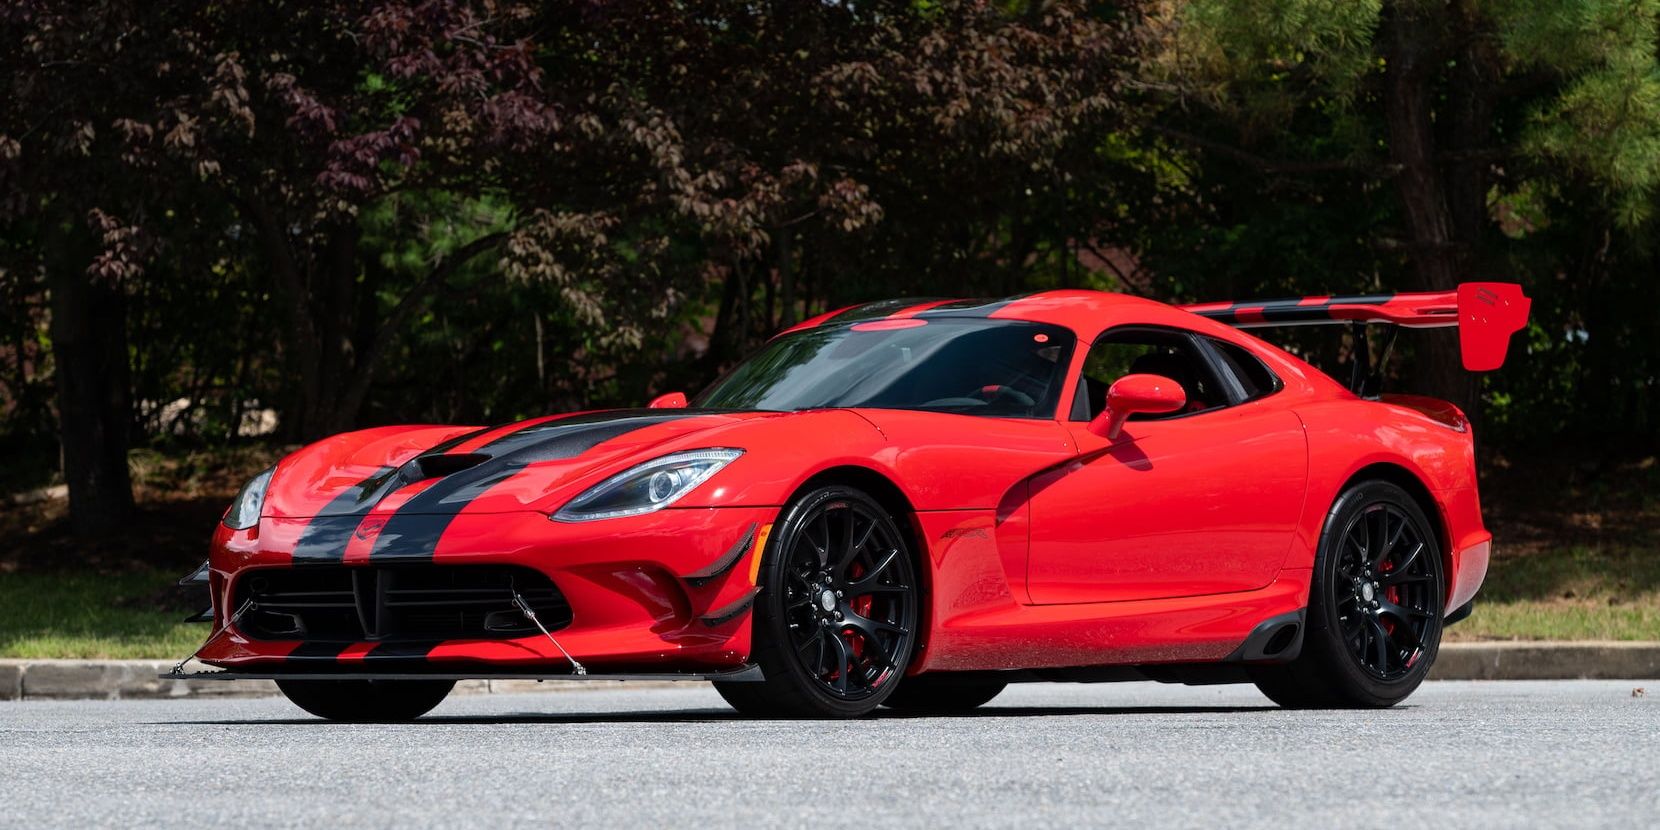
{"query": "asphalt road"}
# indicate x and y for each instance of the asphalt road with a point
(1496, 754)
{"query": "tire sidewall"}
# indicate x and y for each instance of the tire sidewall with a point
(1341, 666)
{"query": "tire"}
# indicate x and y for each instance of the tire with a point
(1375, 606)
(836, 618)
(366, 701)
(928, 693)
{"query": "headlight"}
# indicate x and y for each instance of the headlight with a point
(651, 486)
(244, 512)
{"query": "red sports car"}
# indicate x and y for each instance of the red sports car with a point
(903, 503)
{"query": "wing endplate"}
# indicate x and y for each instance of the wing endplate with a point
(1488, 314)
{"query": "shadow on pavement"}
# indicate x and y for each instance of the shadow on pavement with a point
(727, 715)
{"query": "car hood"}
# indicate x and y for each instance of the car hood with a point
(532, 465)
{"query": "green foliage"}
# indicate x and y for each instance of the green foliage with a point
(92, 616)
(1604, 118)
(1536, 158)
(1259, 59)
(335, 215)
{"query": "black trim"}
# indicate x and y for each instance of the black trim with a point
(1459, 614)
(1269, 643)
(1231, 386)
(697, 579)
(716, 619)
(1187, 674)
(196, 577)
(744, 674)
(1232, 367)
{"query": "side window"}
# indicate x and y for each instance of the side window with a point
(1146, 351)
(1255, 377)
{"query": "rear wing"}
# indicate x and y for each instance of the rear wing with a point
(1486, 314)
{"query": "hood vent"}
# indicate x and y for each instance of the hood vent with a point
(438, 466)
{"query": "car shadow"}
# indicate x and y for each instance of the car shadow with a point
(673, 716)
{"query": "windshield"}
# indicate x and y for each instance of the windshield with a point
(976, 366)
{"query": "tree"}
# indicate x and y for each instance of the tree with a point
(61, 179)
(1462, 110)
(795, 156)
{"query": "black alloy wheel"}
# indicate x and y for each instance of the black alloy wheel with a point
(1383, 591)
(836, 619)
(1375, 606)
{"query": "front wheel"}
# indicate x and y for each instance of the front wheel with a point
(1374, 614)
(836, 618)
(366, 701)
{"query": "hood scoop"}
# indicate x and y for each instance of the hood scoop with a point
(438, 466)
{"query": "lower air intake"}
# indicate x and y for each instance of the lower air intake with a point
(395, 603)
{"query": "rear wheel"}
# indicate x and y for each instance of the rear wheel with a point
(931, 693)
(1374, 614)
(366, 701)
(836, 619)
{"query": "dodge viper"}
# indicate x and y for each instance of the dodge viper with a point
(905, 503)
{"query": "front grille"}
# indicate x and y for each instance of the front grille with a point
(395, 603)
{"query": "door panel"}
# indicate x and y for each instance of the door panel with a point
(1204, 504)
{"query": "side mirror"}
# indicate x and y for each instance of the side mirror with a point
(1130, 394)
(670, 400)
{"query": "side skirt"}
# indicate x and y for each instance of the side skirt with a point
(1189, 674)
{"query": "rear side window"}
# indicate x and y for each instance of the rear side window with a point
(1254, 376)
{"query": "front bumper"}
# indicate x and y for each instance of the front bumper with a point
(670, 592)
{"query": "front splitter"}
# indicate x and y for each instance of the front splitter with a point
(747, 674)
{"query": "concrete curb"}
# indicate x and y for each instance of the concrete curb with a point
(1589, 660)
(136, 679)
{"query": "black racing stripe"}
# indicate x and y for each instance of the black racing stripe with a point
(1293, 313)
(877, 310)
(412, 533)
(1291, 309)
(402, 650)
(451, 443)
(325, 536)
(317, 652)
(538, 433)
(973, 308)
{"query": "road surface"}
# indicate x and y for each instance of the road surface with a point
(1457, 755)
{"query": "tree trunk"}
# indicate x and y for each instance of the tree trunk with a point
(1413, 56)
(89, 352)
(786, 278)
